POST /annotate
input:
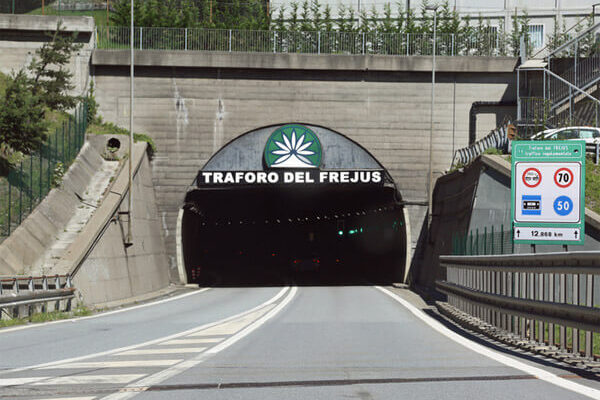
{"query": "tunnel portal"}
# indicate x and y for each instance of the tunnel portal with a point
(293, 203)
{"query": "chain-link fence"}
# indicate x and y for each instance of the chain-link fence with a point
(231, 40)
(487, 241)
(29, 182)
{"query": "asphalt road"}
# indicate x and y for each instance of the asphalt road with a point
(292, 343)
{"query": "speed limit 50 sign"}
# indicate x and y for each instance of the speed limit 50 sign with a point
(548, 192)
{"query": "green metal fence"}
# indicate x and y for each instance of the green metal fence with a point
(485, 241)
(30, 181)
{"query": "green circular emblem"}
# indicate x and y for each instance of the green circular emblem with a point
(293, 146)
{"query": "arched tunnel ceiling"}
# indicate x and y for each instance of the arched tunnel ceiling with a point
(245, 153)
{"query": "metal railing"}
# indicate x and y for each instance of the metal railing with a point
(19, 295)
(497, 139)
(548, 298)
(494, 240)
(594, 150)
(232, 40)
(28, 182)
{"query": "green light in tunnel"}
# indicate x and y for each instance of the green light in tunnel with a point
(341, 233)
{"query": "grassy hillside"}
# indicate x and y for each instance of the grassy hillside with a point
(99, 15)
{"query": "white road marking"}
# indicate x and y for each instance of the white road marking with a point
(192, 341)
(494, 355)
(20, 381)
(177, 350)
(117, 364)
(150, 342)
(71, 398)
(88, 379)
(161, 376)
(104, 314)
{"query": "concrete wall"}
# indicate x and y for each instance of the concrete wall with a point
(21, 252)
(113, 271)
(22, 35)
(194, 103)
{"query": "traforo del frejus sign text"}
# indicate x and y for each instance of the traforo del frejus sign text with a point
(373, 177)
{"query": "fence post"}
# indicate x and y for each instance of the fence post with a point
(186, 30)
(502, 239)
(319, 43)
(9, 207)
(21, 195)
(41, 166)
(140, 38)
(597, 153)
(485, 240)
(407, 41)
(363, 43)
(492, 240)
(230, 40)
(274, 40)
(30, 183)
(452, 46)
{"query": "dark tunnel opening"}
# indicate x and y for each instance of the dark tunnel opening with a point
(308, 234)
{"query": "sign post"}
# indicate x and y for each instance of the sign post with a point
(548, 192)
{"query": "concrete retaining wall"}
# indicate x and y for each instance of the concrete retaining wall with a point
(194, 103)
(105, 269)
(21, 251)
(22, 35)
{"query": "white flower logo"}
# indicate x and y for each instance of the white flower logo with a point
(292, 153)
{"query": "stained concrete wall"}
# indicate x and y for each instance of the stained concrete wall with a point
(22, 35)
(193, 103)
(111, 271)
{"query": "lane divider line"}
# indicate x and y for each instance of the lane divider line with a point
(494, 355)
(104, 314)
(145, 383)
(150, 342)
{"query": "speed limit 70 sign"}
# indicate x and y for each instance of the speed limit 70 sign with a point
(548, 192)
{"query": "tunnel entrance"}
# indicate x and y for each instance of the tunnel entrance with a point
(330, 216)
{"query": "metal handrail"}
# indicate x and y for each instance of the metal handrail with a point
(575, 39)
(528, 294)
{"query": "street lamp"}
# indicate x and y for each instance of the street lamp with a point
(128, 242)
(430, 180)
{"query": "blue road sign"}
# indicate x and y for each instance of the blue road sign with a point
(563, 205)
(531, 204)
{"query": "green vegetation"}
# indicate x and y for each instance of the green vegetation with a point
(79, 311)
(99, 15)
(592, 185)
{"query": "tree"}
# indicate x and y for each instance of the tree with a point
(51, 79)
(23, 126)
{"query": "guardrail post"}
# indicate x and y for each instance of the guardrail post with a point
(597, 158)
(15, 285)
(575, 332)
(30, 285)
(186, 40)
(44, 283)
(69, 281)
(56, 282)
(589, 302)
(230, 40)
(563, 299)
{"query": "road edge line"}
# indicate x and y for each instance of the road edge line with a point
(494, 355)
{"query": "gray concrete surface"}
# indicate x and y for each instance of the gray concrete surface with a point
(192, 112)
(328, 62)
(328, 342)
(105, 269)
(23, 251)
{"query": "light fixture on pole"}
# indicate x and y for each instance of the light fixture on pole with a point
(128, 241)
(430, 179)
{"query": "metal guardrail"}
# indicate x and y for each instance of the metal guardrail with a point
(19, 294)
(324, 42)
(498, 139)
(549, 298)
